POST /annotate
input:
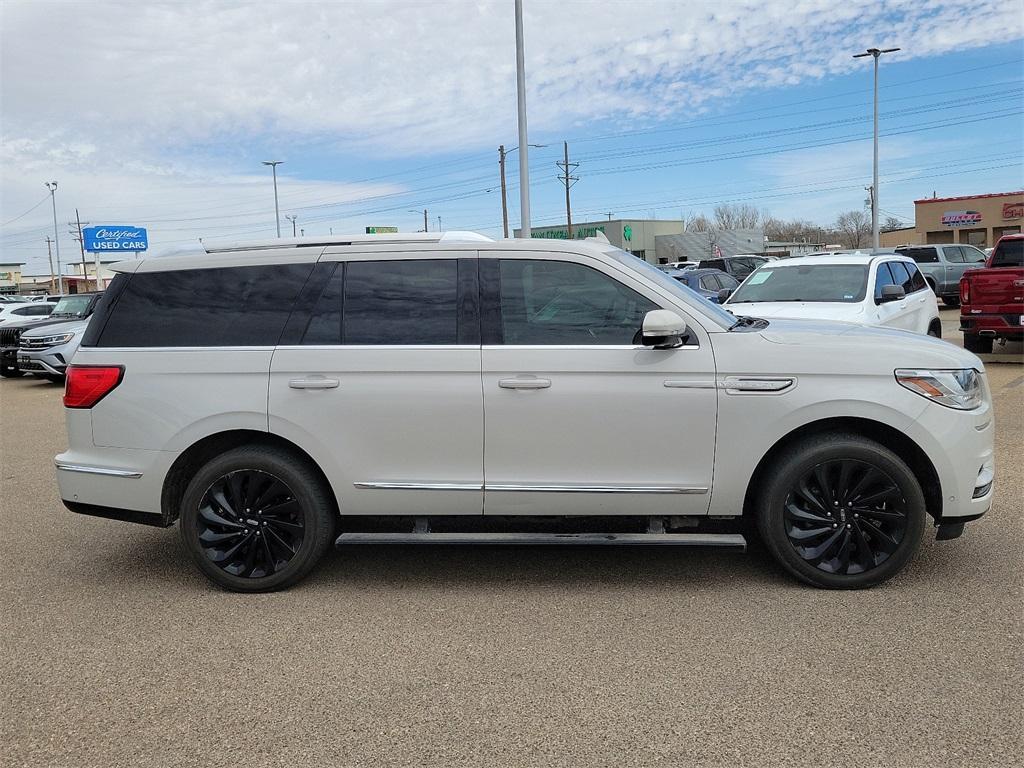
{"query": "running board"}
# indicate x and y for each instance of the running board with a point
(720, 540)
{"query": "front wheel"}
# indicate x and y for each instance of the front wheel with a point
(11, 373)
(257, 519)
(840, 511)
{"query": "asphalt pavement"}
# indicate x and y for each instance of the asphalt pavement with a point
(115, 652)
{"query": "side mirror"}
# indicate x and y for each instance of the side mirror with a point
(891, 293)
(663, 329)
(724, 294)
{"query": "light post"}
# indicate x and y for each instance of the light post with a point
(524, 162)
(277, 211)
(292, 218)
(875, 53)
(502, 154)
(426, 226)
(52, 186)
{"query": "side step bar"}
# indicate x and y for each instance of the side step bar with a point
(720, 540)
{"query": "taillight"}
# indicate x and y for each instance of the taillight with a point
(965, 291)
(86, 385)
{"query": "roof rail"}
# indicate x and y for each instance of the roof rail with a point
(326, 240)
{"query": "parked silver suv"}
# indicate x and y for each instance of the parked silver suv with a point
(943, 266)
(274, 399)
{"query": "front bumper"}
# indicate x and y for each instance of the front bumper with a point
(42, 362)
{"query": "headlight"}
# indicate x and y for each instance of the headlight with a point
(52, 341)
(960, 389)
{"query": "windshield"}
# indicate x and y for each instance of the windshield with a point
(844, 283)
(1009, 253)
(673, 286)
(71, 306)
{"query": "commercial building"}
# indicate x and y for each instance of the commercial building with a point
(978, 220)
(634, 235)
(10, 276)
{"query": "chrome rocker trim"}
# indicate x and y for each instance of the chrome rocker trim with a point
(107, 471)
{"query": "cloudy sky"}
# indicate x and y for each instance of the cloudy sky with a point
(158, 114)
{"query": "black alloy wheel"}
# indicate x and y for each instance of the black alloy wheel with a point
(250, 524)
(840, 511)
(257, 518)
(845, 516)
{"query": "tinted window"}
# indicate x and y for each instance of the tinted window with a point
(325, 320)
(558, 302)
(917, 281)
(1009, 253)
(900, 275)
(712, 264)
(230, 307)
(883, 277)
(401, 302)
(728, 281)
(954, 254)
(709, 283)
(972, 255)
(34, 310)
(920, 255)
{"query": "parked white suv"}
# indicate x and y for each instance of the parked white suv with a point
(276, 399)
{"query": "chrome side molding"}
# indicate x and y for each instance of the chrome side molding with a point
(419, 486)
(522, 487)
(107, 471)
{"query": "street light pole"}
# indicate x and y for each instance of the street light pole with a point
(52, 186)
(875, 53)
(277, 211)
(292, 218)
(502, 154)
(524, 163)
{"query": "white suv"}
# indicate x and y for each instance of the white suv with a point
(278, 398)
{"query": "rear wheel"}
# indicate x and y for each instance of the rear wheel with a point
(978, 344)
(840, 511)
(951, 301)
(256, 519)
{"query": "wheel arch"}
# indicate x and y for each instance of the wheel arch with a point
(935, 323)
(192, 458)
(904, 446)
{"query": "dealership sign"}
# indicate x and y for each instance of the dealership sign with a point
(961, 218)
(115, 238)
(1013, 210)
(381, 230)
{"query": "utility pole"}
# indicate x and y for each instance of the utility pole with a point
(438, 223)
(504, 199)
(277, 211)
(77, 224)
(292, 217)
(524, 163)
(52, 186)
(875, 53)
(49, 256)
(569, 181)
(609, 215)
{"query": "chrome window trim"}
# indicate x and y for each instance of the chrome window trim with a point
(466, 347)
(631, 347)
(107, 471)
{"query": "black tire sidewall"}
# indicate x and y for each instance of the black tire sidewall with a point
(309, 490)
(793, 464)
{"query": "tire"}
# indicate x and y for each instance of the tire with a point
(53, 379)
(274, 545)
(11, 373)
(931, 285)
(836, 546)
(980, 345)
(935, 330)
(951, 301)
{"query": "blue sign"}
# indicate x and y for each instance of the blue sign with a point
(113, 237)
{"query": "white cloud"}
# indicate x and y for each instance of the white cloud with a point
(144, 90)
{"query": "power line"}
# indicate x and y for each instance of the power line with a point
(26, 213)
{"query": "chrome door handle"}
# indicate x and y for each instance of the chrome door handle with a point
(315, 383)
(524, 383)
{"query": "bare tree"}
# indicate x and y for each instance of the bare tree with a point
(697, 223)
(793, 231)
(892, 223)
(736, 216)
(854, 228)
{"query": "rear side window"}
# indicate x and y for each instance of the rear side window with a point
(917, 281)
(709, 283)
(1009, 253)
(920, 255)
(388, 302)
(222, 307)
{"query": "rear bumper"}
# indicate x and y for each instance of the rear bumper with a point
(116, 513)
(1003, 325)
(113, 478)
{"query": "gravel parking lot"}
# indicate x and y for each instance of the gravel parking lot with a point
(116, 652)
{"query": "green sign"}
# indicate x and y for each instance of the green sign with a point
(562, 234)
(381, 230)
(627, 233)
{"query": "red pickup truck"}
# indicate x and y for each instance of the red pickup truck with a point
(992, 298)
